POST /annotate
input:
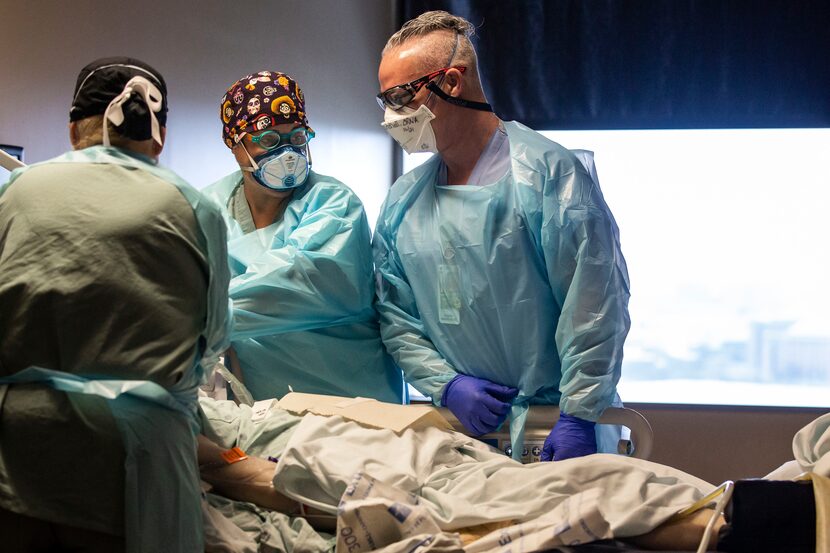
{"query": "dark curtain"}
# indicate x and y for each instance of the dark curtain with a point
(627, 64)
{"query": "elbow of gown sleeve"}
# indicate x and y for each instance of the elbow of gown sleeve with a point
(292, 290)
(591, 339)
(415, 354)
(594, 321)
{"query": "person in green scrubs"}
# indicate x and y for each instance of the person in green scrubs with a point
(113, 307)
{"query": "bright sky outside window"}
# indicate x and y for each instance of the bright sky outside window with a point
(725, 234)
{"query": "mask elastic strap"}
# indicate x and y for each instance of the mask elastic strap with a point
(151, 96)
(254, 163)
(308, 155)
(454, 50)
(481, 106)
(436, 88)
(448, 64)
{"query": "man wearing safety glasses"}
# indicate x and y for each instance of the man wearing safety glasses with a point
(300, 256)
(501, 283)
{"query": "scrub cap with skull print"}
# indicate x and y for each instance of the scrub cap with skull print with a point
(258, 101)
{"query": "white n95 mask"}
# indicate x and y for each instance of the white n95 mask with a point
(411, 128)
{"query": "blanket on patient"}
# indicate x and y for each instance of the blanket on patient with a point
(384, 482)
(423, 486)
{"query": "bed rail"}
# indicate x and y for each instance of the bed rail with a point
(540, 420)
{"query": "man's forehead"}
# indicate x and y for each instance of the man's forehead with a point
(410, 51)
(417, 56)
(402, 64)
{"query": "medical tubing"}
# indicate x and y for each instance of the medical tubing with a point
(726, 490)
(241, 395)
(700, 503)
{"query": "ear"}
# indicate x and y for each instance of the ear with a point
(73, 134)
(455, 82)
(157, 148)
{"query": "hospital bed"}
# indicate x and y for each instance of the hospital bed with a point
(636, 437)
(637, 442)
(543, 417)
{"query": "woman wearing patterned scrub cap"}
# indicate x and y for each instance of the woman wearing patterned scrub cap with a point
(299, 246)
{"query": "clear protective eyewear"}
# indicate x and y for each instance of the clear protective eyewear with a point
(269, 140)
(400, 95)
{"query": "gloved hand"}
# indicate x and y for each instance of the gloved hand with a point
(570, 437)
(479, 404)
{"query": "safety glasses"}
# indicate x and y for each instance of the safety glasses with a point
(400, 95)
(269, 140)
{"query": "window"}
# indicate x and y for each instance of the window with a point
(725, 233)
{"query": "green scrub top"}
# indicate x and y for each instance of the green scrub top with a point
(115, 284)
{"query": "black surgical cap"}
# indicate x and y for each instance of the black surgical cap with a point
(104, 79)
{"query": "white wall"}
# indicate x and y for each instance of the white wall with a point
(331, 47)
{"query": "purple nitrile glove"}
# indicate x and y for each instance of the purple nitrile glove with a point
(479, 404)
(570, 437)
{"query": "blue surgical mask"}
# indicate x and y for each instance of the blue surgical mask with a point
(281, 169)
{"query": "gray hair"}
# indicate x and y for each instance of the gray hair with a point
(441, 50)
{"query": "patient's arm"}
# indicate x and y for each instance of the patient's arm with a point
(684, 534)
(248, 480)
(251, 480)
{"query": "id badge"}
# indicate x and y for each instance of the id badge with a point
(449, 295)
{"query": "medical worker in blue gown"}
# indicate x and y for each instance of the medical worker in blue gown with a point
(300, 256)
(501, 281)
(113, 309)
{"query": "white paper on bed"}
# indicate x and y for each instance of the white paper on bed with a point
(462, 483)
(365, 411)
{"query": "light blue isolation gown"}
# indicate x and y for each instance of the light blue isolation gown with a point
(117, 269)
(302, 292)
(521, 282)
